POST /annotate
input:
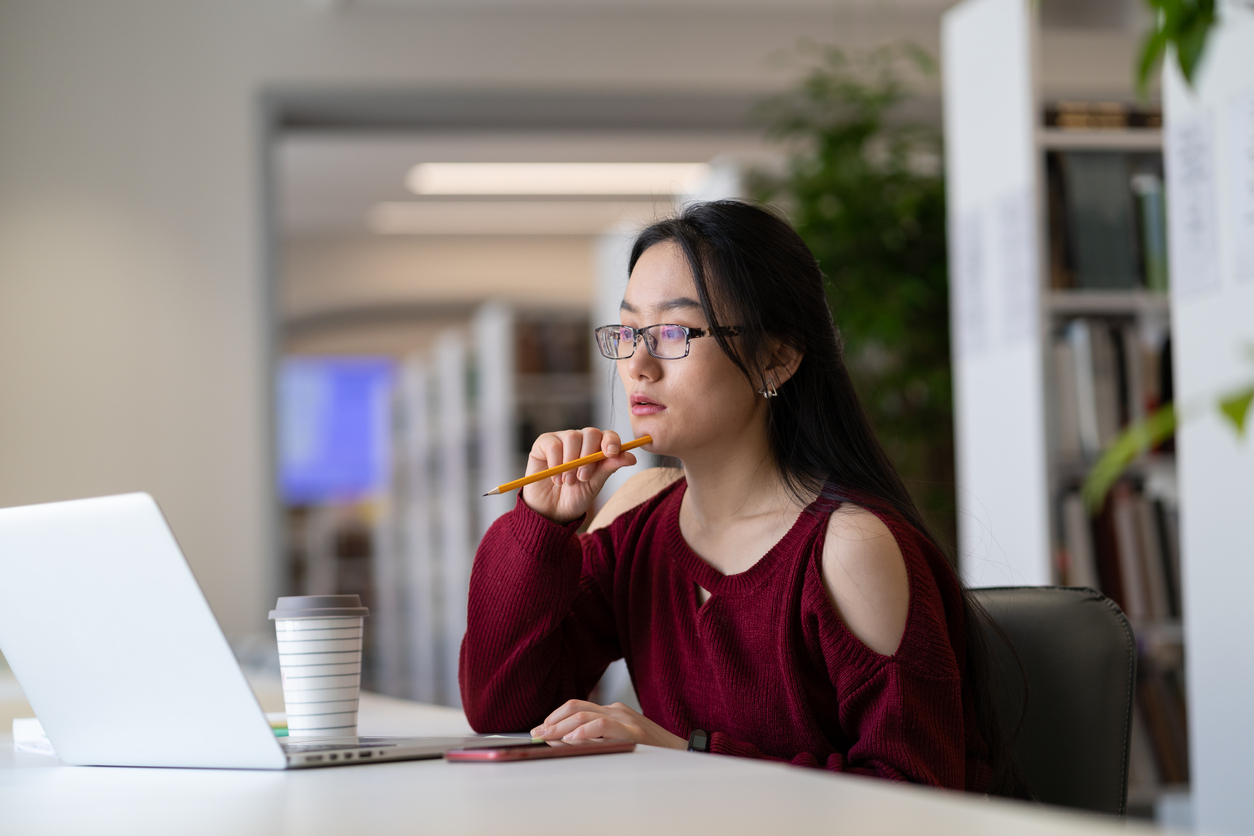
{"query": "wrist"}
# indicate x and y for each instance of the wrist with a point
(553, 514)
(549, 515)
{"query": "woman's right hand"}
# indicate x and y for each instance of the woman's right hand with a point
(568, 496)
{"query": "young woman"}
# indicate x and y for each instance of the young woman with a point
(780, 596)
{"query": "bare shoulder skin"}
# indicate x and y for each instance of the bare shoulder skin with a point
(635, 490)
(865, 576)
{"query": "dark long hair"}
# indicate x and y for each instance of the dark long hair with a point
(752, 270)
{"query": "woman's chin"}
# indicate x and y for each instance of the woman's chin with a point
(637, 431)
(659, 446)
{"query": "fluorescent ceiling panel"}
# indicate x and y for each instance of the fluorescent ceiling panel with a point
(556, 178)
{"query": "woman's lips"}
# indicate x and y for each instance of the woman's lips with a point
(640, 405)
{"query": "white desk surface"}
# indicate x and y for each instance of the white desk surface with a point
(645, 793)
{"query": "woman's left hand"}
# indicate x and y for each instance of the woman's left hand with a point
(579, 720)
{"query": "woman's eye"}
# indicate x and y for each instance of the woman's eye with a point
(672, 332)
(624, 334)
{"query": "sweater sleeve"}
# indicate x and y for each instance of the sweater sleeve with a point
(540, 628)
(900, 726)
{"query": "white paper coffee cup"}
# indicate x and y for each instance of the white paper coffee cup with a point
(320, 639)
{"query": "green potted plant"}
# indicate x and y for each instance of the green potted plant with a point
(863, 187)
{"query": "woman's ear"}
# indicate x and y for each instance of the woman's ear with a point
(782, 363)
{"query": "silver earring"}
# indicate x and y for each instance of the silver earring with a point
(769, 390)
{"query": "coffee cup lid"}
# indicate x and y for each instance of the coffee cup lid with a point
(319, 606)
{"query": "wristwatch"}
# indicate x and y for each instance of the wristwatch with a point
(699, 741)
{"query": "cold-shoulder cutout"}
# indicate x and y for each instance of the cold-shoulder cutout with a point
(865, 576)
(635, 490)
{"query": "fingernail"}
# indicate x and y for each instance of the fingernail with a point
(611, 450)
(583, 474)
(568, 738)
(538, 731)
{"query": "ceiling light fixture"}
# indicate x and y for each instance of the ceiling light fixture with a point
(556, 178)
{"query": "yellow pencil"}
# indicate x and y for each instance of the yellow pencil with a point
(562, 468)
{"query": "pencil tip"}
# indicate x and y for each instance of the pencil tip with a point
(493, 492)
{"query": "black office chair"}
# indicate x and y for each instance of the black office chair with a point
(1079, 659)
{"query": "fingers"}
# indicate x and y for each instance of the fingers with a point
(557, 448)
(611, 444)
(591, 443)
(571, 715)
(588, 725)
(601, 726)
(546, 452)
(553, 449)
(566, 710)
(580, 720)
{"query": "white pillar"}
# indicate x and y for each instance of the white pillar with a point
(1209, 135)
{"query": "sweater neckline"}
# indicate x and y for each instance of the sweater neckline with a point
(710, 578)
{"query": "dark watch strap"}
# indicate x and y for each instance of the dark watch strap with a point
(699, 741)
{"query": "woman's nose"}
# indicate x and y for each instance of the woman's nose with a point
(641, 364)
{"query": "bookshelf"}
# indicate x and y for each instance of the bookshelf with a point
(1062, 336)
(464, 417)
(1119, 139)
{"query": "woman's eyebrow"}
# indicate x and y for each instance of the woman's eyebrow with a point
(668, 305)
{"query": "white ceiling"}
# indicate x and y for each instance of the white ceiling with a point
(329, 182)
(334, 183)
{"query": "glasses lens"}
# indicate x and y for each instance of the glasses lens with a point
(668, 342)
(616, 341)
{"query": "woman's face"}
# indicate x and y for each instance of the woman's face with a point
(691, 404)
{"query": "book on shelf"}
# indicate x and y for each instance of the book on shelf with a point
(1128, 551)
(1143, 769)
(1106, 374)
(1101, 116)
(1098, 204)
(1160, 698)
(1151, 204)
(1107, 220)
(558, 349)
(1080, 562)
(1067, 434)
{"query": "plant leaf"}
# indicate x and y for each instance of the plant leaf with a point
(1193, 28)
(1152, 49)
(1154, 429)
(1236, 408)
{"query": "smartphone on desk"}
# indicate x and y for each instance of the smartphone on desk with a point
(540, 749)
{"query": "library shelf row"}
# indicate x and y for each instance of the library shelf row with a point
(1153, 465)
(1123, 139)
(1107, 302)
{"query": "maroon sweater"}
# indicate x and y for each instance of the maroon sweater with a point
(765, 665)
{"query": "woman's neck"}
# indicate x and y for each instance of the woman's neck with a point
(735, 480)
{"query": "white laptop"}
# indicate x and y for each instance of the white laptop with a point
(116, 649)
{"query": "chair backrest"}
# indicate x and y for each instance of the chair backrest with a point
(1079, 661)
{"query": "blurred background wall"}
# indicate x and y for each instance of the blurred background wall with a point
(137, 313)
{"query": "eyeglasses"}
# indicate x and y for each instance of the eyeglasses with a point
(665, 342)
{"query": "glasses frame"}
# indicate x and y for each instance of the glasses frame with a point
(638, 334)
